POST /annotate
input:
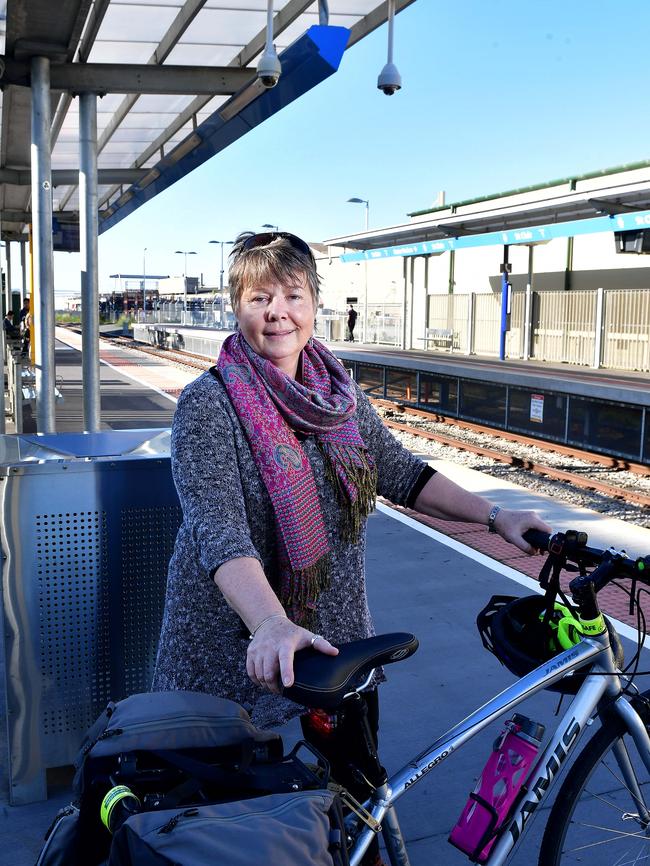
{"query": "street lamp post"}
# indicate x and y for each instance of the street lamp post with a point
(222, 303)
(364, 201)
(185, 253)
(144, 283)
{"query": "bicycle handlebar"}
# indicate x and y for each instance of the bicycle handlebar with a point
(537, 539)
(572, 547)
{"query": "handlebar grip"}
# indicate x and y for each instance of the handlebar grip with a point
(537, 539)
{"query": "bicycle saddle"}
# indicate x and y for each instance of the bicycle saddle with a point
(323, 681)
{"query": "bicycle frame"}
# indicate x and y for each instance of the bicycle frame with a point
(603, 679)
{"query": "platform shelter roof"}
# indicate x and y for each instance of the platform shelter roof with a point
(615, 199)
(177, 82)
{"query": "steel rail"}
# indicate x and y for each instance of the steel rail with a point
(531, 465)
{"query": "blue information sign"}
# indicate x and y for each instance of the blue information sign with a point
(618, 223)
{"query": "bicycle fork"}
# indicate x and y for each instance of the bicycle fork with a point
(639, 734)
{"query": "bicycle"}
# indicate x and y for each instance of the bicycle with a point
(602, 806)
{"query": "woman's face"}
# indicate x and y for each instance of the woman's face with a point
(277, 319)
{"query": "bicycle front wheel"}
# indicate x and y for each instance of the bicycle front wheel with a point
(601, 816)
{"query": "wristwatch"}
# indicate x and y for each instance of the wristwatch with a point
(492, 517)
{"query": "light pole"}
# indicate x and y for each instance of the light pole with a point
(185, 253)
(222, 304)
(356, 200)
(144, 282)
(361, 201)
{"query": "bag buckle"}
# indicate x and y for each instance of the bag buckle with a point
(355, 806)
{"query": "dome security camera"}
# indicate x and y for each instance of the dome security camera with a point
(269, 68)
(389, 81)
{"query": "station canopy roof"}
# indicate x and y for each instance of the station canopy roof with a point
(619, 191)
(177, 82)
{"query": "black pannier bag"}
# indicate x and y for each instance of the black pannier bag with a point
(288, 829)
(166, 751)
(60, 844)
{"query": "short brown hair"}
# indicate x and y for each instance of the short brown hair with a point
(279, 256)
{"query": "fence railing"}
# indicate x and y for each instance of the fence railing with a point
(599, 328)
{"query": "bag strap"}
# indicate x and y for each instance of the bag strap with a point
(198, 769)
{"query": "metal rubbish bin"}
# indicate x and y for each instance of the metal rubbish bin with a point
(87, 530)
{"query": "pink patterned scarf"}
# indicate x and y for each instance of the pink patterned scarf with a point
(271, 406)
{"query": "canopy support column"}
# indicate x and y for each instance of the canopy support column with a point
(43, 303)
(89, 228)
(23, 269)
(8, 298)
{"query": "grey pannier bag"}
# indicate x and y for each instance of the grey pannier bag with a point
(301, 829)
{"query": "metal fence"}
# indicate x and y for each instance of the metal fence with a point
(626, 331)
(598, 328)
(208, 315)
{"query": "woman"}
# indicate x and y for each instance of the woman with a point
(277, 456)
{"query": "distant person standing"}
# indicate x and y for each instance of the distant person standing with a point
(352, 320)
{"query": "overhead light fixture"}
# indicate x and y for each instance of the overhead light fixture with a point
(390, 81)
(122, 200)
(240, 100)
(152, 175)
(186, 146)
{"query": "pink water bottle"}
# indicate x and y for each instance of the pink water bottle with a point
(507, 769)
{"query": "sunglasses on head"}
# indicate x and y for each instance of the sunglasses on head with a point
(265, 238)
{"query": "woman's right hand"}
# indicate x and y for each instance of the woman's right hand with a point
(269, 660)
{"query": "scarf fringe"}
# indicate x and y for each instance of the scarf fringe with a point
(299, 593)
(361, 474)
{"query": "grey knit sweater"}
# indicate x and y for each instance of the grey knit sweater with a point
(227, 513)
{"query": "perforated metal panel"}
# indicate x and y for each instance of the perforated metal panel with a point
(87, 545)
(73, 591)
(147, 544)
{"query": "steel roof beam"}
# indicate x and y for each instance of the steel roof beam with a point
(373, 20)
(601, 205)
(25, 216)
(65, 176)
(283, 19)
(133, 78)
(179, 25)
(89, 35)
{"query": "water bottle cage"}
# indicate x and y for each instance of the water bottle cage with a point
(490, 831)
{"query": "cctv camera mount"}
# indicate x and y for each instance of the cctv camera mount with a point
(269, 67)
(389, 80)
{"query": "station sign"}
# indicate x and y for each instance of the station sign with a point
(531, 235)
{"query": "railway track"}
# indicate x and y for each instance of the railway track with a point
(459, 436)
(573, 478)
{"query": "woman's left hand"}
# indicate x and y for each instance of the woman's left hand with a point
(269, 660)
(511, 525)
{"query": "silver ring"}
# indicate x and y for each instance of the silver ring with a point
(315, 638)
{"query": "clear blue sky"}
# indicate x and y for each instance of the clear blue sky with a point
(496, 95)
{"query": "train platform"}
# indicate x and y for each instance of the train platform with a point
(625, 386)
(428, 578)
(127, 403)
(606, 411)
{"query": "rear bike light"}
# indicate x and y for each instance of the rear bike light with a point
(322, 723)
